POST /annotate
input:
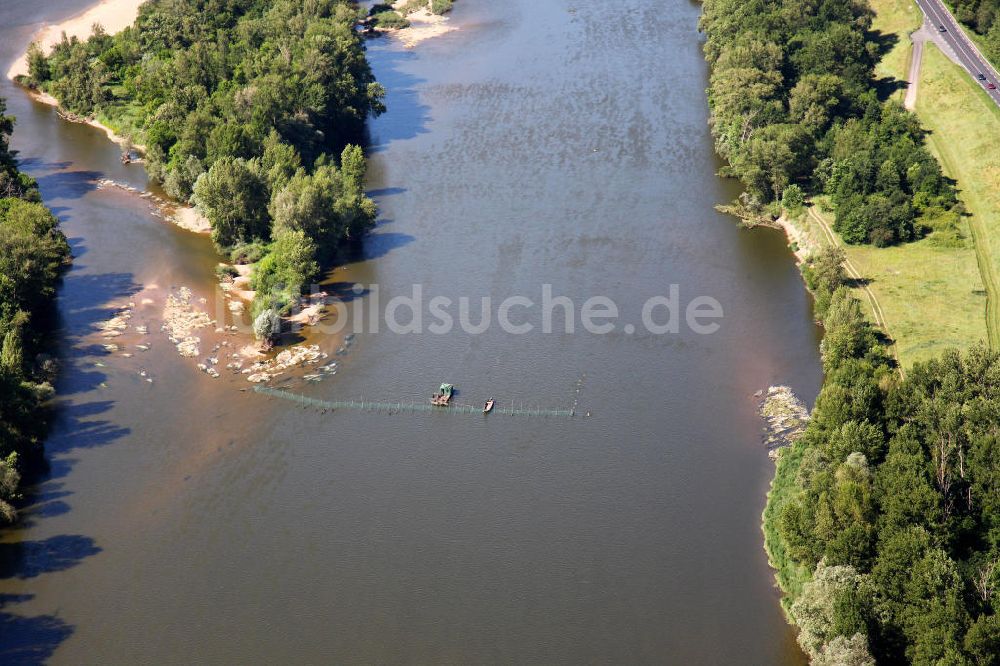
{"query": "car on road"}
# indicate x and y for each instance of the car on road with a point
(941, 28)
(981, 76)
(991, 86)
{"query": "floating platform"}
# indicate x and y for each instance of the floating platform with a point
(386, 407)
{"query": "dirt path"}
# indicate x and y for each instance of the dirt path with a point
(918, 37)
(855, 274)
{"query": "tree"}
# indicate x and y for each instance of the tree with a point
(38, 66)
(843, 651)
(982, 641)
(285, 271)
(824, 274)
(10, 478)
(279, 162)
(33, 253)
(814, 100)
(847, 333)
(353, 168)
(814, 609)
(180, 180)
(290, 265)
(327, 205)
(11, 355)
(267, 326)
(234, 199)
(793, 199)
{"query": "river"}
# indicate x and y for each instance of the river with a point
(560, 143)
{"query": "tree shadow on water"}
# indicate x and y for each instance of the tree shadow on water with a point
(345, 291)
(378, 245)
(385, 192)
(30, 559)
(68, 184)
(72, 429)
(29, 640)
(407, 116)
(85, 301)
(76, 243)
(36, 164)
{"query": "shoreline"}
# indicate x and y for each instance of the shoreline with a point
(423, 26)
(45, 98)
(114, 16)
(799, 241)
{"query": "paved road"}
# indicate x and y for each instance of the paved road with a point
(962, 49)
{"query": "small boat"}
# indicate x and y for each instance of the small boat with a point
(488, 407)
(443, 396)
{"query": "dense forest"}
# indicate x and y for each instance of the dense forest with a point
(983, 17)
(250, 109)
(33, 253)
(795, 111)
(884, 517)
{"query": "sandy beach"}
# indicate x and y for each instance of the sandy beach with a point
(803, 245)
(423, 26)
(187, 217)
(113, 15)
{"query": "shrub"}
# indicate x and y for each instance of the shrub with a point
(792, 199)
(390, 20)
(413, 6)
(248, 253)
(226, 272)
(267, 326)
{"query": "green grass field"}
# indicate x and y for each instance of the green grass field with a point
(964, 126)
(896, 19)
(932, 296)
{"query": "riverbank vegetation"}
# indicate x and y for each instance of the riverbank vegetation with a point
(796, 110)
(33, 254)
(883, 520)
(934, 292)
(250, 109)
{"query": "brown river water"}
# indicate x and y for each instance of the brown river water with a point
(563, 143)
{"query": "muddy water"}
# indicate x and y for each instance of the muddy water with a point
(542, 143)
